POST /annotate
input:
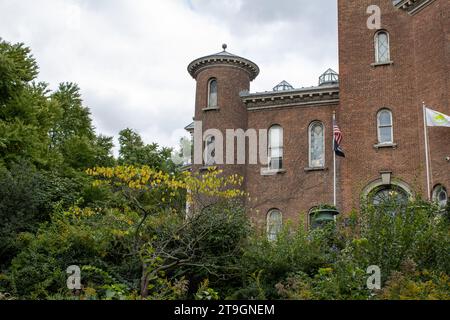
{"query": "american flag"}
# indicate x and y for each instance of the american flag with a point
(337, 140)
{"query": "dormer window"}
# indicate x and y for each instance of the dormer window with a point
(212, 94)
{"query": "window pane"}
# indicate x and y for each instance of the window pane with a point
(388, 195)
(317, 151)
(385, 118)
(276, 163)
(276, 137)
(385, 134)
(212, 100)
(210, 151)
(440, 196)
(276, 147)
(383, 47)
(274, 225)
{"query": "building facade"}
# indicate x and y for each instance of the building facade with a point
(385, 76)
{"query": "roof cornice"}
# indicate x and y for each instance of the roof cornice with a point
(292, 98)
(198, 65)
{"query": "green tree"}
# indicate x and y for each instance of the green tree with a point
(73, 134)
(46, 141)
(47, 129)
(17, 69)
(26, 112)
(133, 151)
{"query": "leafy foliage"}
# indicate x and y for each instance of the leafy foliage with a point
(133, 151)
(331, 263)
(65, 200)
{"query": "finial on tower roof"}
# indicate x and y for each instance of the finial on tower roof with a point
(224, 47)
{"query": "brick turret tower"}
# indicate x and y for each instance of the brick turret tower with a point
(221, 78)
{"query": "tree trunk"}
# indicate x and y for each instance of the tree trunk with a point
(144, 281)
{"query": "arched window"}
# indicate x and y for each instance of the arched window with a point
(274, 224)
(382, 47)
(385, 127)
(389, 195)
(440, 196)
(276, 147)
(212, 93)
(391, 198)
(210, 151)
(316, 145)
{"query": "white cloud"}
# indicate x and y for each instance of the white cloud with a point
(130, 57)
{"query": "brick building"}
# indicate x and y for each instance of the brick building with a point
(385, 76)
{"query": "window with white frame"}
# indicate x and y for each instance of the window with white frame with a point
(382, 47)
(212, 93)
(276, 147)
(274, 224)
(385, 127)
(316, 145)
(210, 151)
(440, 196)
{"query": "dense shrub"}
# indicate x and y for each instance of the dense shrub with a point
(79, 237)
(179, 254)
(410, 284)
(417, 231)
(295, 250)
(24, 203)
(331, 263)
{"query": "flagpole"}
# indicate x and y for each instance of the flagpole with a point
(334, 163)
(427, 152)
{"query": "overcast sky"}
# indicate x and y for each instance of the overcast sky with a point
(130, 56)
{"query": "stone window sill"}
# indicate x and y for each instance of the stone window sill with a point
(272, 172)
(379, 64)
(385, 145)
(316, 169)
(210, 109)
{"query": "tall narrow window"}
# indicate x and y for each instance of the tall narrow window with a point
(276, 147)
(274, 224)
(210, 151)
(212, 93)
(316, 145)
(382, 47)
(385, 127)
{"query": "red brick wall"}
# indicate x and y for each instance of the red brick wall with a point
(420, 51)
(296, 191)
(365, 89)
(232, 113)
(432, 71)
(293, 192)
